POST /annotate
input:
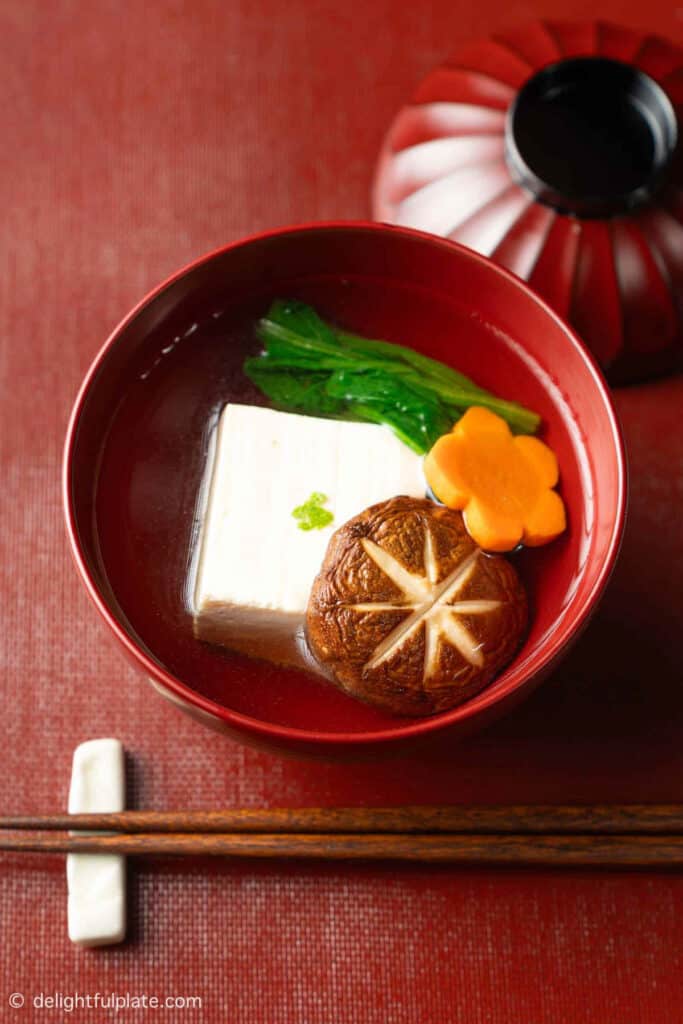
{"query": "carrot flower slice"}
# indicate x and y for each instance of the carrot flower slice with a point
(503, 484)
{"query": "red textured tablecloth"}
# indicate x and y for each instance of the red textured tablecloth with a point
(135, 136)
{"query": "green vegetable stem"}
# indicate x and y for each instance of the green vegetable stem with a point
(308, 366)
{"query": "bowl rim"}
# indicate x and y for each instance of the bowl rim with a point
(566, 630)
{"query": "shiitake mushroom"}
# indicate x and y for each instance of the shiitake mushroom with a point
(408, 614)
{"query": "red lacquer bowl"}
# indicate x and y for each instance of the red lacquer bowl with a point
(136, 449)
(555, 149)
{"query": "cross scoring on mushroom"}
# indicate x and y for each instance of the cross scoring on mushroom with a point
(428, 602)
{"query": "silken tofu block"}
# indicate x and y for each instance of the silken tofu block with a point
(97, 881)
(256, 566)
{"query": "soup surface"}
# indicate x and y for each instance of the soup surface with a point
(155, 454)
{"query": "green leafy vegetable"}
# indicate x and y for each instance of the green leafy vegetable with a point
(311, 515)
(310, 367)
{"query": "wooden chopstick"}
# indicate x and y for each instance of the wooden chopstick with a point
(539, 850)
(627, 835)
(631, 819)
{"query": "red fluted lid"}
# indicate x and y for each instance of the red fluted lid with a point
(555, 149)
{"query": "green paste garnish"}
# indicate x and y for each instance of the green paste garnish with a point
(311, 515)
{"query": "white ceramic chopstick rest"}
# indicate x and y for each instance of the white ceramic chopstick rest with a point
(97, 881)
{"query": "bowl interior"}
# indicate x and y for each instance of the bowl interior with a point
(140, 442)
